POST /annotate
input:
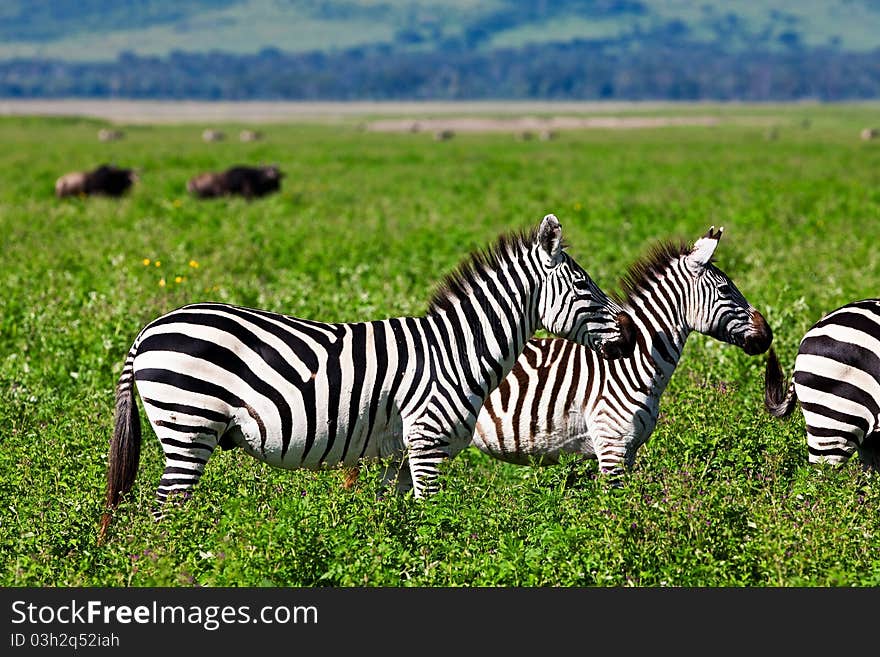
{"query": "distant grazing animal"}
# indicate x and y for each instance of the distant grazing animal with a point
(444, 135)
(239, 180)
(206, 185)
(104, 180)
(250, 135)
(71, 184)
(548, 135)
(299, 393)
(837, 381)
(106, 134)
(561, 398)
(870, 133)
(213, 135)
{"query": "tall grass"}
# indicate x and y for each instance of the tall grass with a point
(365, 226)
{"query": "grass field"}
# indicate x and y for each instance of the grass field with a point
(365, 226)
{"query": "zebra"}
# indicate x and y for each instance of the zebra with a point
(559, 398)
(298, 393)
(836, 379)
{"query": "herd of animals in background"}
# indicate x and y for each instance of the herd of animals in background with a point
(113, 181)
(109, 180)
(238, 180)
(299, 393)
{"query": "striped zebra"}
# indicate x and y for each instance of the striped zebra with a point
(297, 393)
(837, 382)
(560, 398)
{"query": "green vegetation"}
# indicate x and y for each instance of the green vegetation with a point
(364, 227)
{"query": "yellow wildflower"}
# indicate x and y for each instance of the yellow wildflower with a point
(161, 282)
(146, 262)
(158, 263)
(193, 264)
(178, 279)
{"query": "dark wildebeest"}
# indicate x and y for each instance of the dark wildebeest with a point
(106, 180)
(239, 180)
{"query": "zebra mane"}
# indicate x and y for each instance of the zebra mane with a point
(458, 283)
(656, 261)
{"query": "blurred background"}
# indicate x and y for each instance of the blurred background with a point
(746, 50)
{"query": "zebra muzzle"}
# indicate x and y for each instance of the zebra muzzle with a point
(758, 340)
(625, 344)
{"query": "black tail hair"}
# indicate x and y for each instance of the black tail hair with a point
(125, 447)
(778, 401)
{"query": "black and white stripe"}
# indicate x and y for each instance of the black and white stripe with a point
(297, 393)
(559, 398)
(836, 379)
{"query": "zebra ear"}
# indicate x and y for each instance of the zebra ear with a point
(550, 237)
(704, 247)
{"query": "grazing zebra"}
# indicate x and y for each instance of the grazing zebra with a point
(837, 381)
(559, 398)
(297, 393)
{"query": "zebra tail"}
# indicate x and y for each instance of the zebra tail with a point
(778, 401)
(125, 446)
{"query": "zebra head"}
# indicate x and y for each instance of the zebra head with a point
(717, 308)
(572, 306)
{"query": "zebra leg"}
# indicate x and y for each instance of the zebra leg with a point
(829, 447)
(426, 452)
(869, 453)
(185, 461)
(397, 473)
(616, 455)
(611, 453)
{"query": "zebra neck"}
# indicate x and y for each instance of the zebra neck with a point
(664, 333)
(477, 346)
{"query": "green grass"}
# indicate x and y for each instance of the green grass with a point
(364, 227)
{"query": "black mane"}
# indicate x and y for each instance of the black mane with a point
(655, 261)
(457, 284)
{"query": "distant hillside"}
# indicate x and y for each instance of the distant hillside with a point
(452, 50)
(96, 30)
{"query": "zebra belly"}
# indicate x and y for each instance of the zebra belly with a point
(548, 447)
(316, 440)
(383, 441)
(633, 426)
(514, 439)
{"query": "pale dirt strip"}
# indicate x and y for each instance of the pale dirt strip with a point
(488, 116)
(523, 124)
